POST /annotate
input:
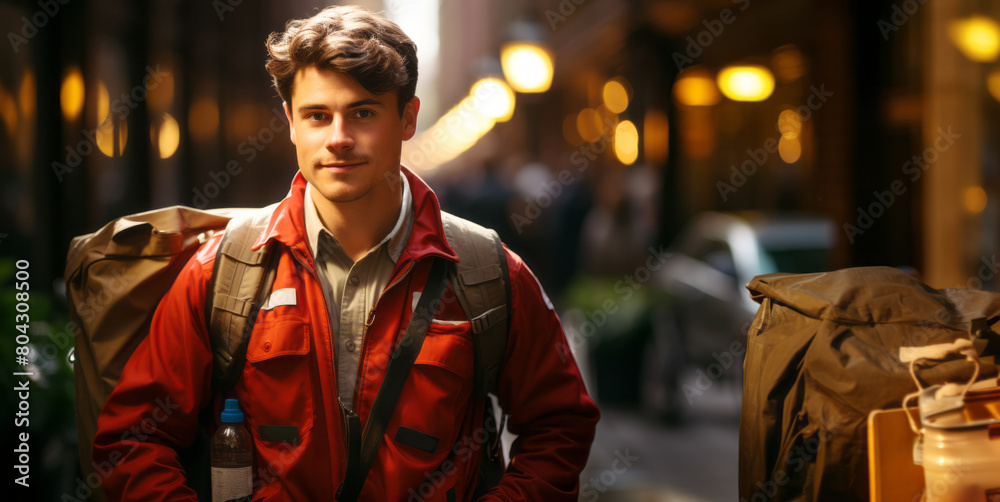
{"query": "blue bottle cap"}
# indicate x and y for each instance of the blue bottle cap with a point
(232, 414)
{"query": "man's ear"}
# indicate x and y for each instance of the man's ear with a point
(288, 115)
(410, 118)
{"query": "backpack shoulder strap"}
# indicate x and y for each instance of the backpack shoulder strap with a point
(241, 280)
(482, 284)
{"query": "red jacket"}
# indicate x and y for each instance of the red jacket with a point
(289, 381)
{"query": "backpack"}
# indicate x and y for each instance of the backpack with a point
(822, 353)
(116, 276)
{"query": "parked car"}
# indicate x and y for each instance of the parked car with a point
(698, 334)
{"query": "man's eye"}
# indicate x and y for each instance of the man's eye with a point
(317, 116)
(364, 114)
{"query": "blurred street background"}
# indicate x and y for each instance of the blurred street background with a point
(645, 157)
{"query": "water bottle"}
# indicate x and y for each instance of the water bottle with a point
(232, 457)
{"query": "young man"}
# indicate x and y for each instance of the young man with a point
(355, 239)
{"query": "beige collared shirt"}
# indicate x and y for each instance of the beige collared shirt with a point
(352, 288)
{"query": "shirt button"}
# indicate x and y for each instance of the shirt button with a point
(267, 346)
(351, 346)
(355, 281)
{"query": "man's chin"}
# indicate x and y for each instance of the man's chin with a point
(342, 193)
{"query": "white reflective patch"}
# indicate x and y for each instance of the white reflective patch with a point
(413, 307)
(548, 303)
(416, 298)
(449, 323)
(279, 298)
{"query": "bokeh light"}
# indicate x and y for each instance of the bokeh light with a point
(71, 95)
(626, 142)
(528, 67)
(746, 83)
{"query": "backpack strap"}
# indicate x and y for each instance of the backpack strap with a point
(482, 285)
(363, 446)
(241, 281)
(481, 281)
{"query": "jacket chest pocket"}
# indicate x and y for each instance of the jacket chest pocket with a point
(436, 395)
(277, 380)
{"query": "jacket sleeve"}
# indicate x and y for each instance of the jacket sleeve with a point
(542, 390)
(154, 408)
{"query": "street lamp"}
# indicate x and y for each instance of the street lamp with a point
(526, 60)
(977, 37)
(493, 98)
(746, 83)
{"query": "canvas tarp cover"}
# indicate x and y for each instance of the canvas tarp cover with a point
(823, 351)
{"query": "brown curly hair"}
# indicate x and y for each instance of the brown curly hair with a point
(350, 39)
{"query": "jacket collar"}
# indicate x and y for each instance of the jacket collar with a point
(427, 237)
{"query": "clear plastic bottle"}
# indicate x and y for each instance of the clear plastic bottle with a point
(232, 457)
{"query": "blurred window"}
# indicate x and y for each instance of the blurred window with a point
(799, 260)
(717, 255)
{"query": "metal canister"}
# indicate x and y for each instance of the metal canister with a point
(961, 448)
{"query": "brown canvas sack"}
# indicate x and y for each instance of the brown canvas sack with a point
(823, 352)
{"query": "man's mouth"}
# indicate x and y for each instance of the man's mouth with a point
(341, 167)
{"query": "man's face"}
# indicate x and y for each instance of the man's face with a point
(347, 139)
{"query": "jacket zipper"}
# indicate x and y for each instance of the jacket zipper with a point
(309, 265)
(368, 322)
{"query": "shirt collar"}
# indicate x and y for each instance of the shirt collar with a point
(396, 238)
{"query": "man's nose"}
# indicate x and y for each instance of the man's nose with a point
(340, 137)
